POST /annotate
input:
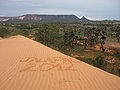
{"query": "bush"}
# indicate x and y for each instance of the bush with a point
(100, 62)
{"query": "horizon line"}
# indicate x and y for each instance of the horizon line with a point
(90, 18)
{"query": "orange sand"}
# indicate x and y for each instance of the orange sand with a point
(29, 65)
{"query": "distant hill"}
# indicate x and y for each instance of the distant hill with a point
(44, 18)
(84, 19)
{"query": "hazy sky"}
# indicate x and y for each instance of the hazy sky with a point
(93, 9)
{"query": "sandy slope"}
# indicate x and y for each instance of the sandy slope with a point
(29, 65)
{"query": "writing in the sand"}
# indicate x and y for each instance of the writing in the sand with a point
(47, 64)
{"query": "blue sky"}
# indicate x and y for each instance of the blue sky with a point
(93, 9)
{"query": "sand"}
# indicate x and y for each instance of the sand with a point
(29, 65)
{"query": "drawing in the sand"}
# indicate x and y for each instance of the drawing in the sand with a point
(46, 64)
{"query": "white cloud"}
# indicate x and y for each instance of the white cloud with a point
(98, 9)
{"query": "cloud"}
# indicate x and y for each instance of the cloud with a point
(108, 9)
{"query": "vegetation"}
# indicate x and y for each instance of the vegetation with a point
(88, 42)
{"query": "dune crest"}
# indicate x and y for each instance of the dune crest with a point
(28, 65)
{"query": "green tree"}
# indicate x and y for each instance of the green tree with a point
(100, 62)
(70, 39)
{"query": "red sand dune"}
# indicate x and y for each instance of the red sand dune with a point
(29, 65)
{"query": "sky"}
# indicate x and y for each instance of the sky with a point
(92, 9)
